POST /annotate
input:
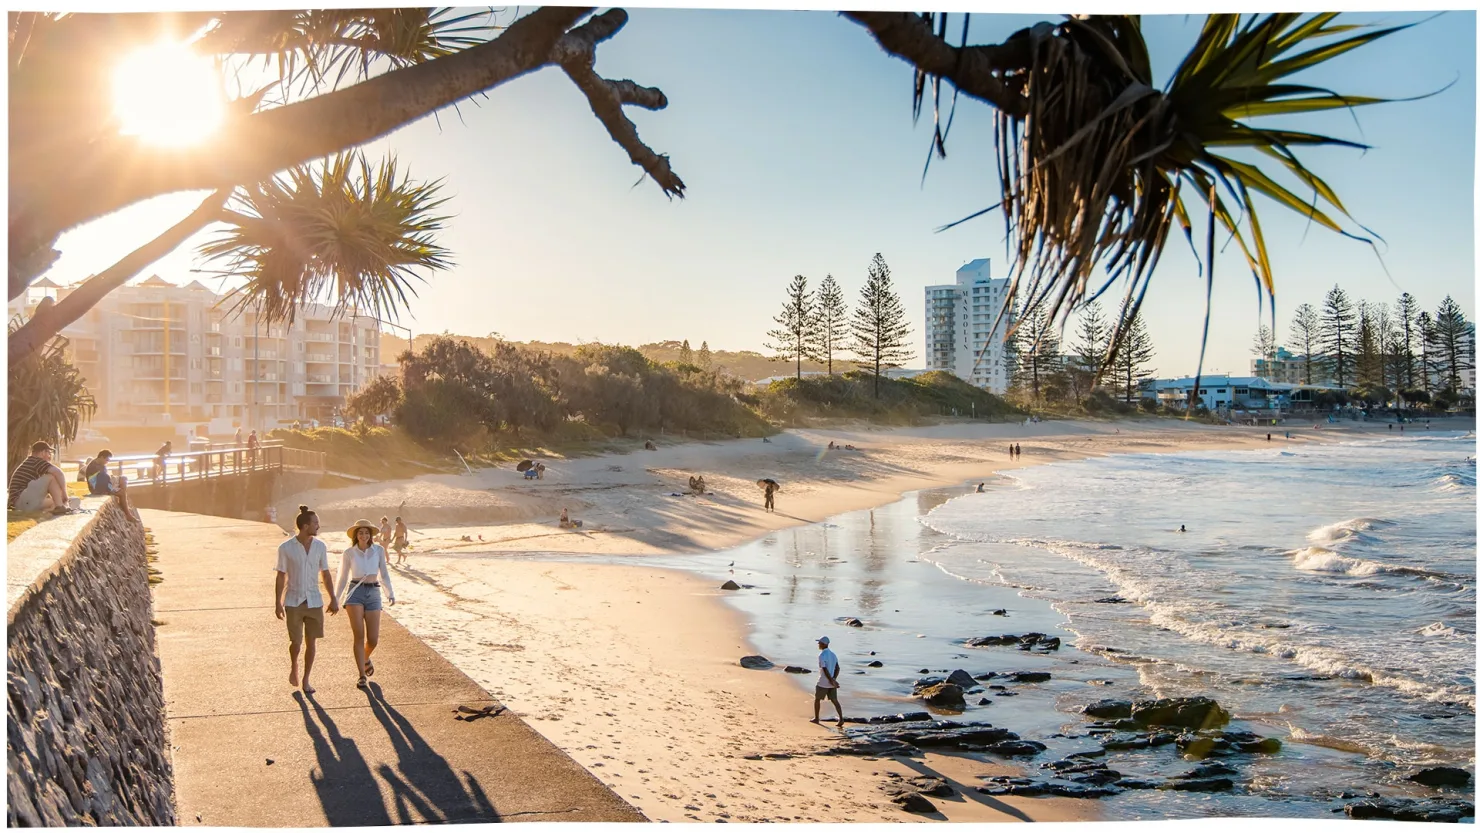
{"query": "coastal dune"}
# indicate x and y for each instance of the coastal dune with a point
(634, 671)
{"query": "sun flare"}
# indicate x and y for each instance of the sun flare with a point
(167, 95)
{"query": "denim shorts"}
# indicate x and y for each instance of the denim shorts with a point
(366, 595)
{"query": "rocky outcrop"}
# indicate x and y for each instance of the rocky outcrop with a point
(1025, 642)
(1408, 809)
(756, 662)
(86, 732)
(1442, 776)
(943, 695)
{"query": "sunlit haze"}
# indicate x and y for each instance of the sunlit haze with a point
(166, 94)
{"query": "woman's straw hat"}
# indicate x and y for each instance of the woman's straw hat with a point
(374, 530)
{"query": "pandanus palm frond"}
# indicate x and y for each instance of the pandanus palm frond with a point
(326, 46)
(338, 231)
(48, 400)
(1099, 166)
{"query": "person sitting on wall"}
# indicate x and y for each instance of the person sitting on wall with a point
(101, 483)
(37, 479)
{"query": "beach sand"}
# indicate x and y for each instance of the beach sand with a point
(633, 670)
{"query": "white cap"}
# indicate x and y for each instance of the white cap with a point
(824, 640)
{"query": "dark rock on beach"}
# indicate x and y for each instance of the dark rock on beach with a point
(1029, 676)
(962, 679)
(1442, 776)
(1108, 709)
(758, 663)
(1111, 600)
(912, 802)
(919, 784)
(853, 623)
(1409, 809)
(876, 664)
(1207, 744)
(797, 669)
(729, 585)
(999, 612)
(1016, 748)
(1028, 641)
(943, 695)
(1186, 712)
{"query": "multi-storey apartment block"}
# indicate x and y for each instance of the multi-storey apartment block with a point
(156, 352)
(959, 337)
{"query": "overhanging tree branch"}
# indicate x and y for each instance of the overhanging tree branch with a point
(47, 199)
(49, 320)
(576, 54)
(975, 70)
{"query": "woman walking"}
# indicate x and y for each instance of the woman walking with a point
(364, 564)
(385, 532)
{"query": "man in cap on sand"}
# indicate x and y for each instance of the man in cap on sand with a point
(827, 681)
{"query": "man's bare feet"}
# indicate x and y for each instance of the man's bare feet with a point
(293, 677)
(815, 720)
(308, 689)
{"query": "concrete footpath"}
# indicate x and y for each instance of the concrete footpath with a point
(249, 751)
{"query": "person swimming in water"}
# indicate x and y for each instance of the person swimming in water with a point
(981, 487)
(1183, 529)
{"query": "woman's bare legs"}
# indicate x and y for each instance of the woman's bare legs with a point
(372, 634)
(357, 627)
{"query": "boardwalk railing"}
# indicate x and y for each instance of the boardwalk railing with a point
(191, 466)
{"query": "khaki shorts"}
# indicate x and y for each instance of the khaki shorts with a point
(303, 619)
(826, 694)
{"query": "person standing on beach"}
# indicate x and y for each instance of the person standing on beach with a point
(296, 598)
(771, 496)
(365, 564)
(385, 531)
(827, 682)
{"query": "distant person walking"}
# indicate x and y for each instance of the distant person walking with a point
(252, 449)
(827, 682)
(1018, 451)
(296, 597)
(36, 479)
(365, 565)
(771, 487)
(384, 532)
(399, 540)
(236, 442)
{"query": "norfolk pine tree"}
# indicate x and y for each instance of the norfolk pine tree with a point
(879, 328)
(793, 338)
(830, 322)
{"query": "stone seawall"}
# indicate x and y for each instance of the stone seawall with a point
(86, 742)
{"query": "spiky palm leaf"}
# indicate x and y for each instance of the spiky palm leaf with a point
(48, 400)
(337, 232)
(315, 47)
(1100, 167)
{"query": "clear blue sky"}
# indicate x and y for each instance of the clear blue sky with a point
(793, 133)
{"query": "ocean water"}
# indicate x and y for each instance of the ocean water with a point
(1324, 595)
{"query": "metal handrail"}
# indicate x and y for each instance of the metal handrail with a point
(189, 466)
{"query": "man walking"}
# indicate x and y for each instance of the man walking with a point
(295, 597)
(827, 682)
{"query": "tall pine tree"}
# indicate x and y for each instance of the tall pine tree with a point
(1129, 364)
(1406, 321)
(793, 340)
(1338, 335)
(1040, 362)
(1453, 345)
(880, 333)
(1092, 344)
(705, 358)
(1305, 335)
(830, 323)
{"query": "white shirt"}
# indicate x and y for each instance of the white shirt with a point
(302, 567)
(358, 564)
(828, 660)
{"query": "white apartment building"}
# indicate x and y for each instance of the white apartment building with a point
(160, 353)
(958, 319)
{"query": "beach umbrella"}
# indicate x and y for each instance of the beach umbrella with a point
(524, 465)
(768, 482)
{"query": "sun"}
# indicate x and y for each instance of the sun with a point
(167, 95)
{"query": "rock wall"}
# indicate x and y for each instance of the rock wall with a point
(86, 742)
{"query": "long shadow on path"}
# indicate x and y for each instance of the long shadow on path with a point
(346, 789)
(424, 787)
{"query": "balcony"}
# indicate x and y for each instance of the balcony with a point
(321, 336)
(320, 379)
(213, 351)
(321, 358)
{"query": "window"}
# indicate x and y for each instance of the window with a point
(236, 342)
